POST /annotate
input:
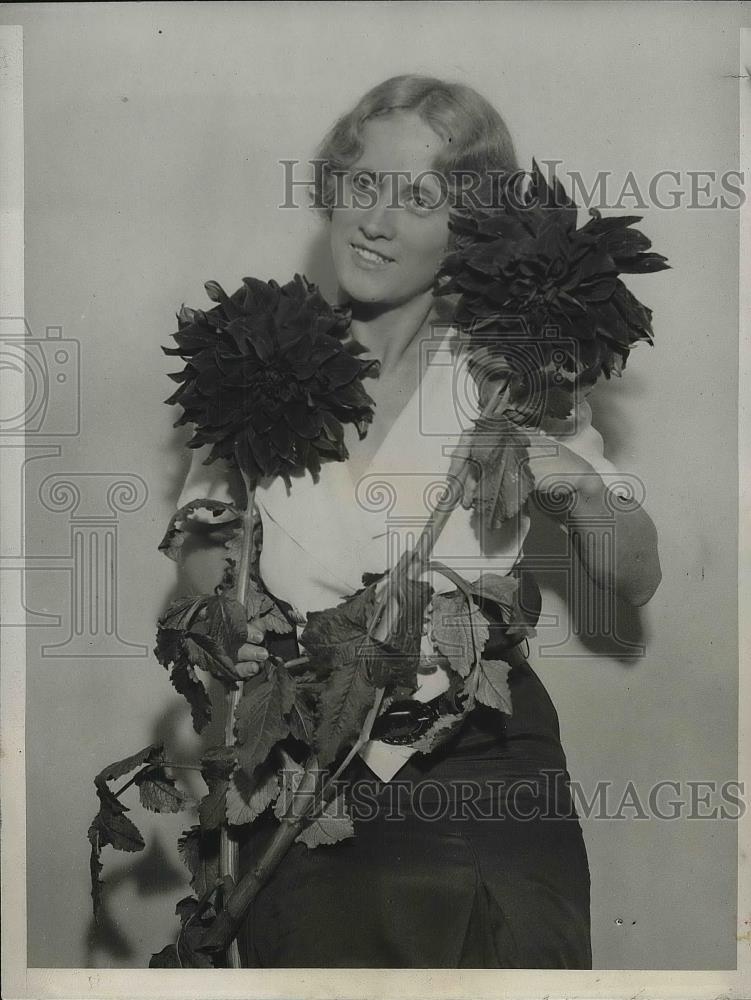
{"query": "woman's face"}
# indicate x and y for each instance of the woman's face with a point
(388, 236)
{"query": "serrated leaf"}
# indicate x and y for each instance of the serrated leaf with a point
(248, 798)
(345, 701)
(218, 762)
(298, 786)
(167, 958)
(504, 480)
(495, 587)
(110, 826)
(194, 922)
(159, 793)
(302, 721)
(154, 753)
(186, 683)
(120, 832)
(337, 635)
(181, 612)
(260, 721)
(257, 601)
(274, 621)
(203, 653)
(334, 824)
(224, 621)
(95, 870)
(457, 630)
(488, 683)
(199, 851)
(213, 519)
(351, 665)
(212, 808)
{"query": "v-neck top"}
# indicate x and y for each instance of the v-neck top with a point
(320, 537)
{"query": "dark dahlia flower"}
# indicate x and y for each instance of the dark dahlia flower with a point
(271, 375)
(542, 300)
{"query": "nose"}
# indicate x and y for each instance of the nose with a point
(377, 222)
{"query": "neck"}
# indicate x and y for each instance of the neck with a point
(389, 333)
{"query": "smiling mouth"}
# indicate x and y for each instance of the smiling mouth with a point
(371, 256)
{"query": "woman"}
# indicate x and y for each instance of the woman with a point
(482, 862)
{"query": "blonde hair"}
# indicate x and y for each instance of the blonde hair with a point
(475, 136)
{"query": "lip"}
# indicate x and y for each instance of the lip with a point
(361, 261)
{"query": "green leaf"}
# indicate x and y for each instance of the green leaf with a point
(196, 917)
(337, 636)
(260, 718)
(116, 829)
(204, 653)
(199, 851)
(334, 824)
(181, 613)
(224, 621)
(298, 787)
(212, 808)
(457, 630)
(274, 621)
(95, 870)
(194, 923)
(257, 601)
(170, 651)
(111, 826)
(167, 958)
(504, 482)
(218, 762)
(488, 683)
(302, 720)
(152, 754)
(346, 699)
(186, 683)
(494, 587)
(248, 798)
(159, 793)
(212, 519)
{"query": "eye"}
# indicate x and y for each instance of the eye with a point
(420, 200)
(362, 180)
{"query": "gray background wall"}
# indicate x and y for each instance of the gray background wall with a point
(153, 135)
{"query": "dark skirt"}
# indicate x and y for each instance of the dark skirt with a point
(472, 857)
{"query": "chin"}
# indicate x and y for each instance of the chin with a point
(366, 289)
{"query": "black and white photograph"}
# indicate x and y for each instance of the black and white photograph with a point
(373, 448)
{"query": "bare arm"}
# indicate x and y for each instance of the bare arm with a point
(594, 523)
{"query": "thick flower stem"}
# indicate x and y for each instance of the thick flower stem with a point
(229, 851)
(224, 929)
(414, 562)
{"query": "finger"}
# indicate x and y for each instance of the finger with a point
(247, 668)
(249, 651)
(255, 631)
(470, 489)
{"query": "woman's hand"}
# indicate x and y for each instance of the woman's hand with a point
(251, 654)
